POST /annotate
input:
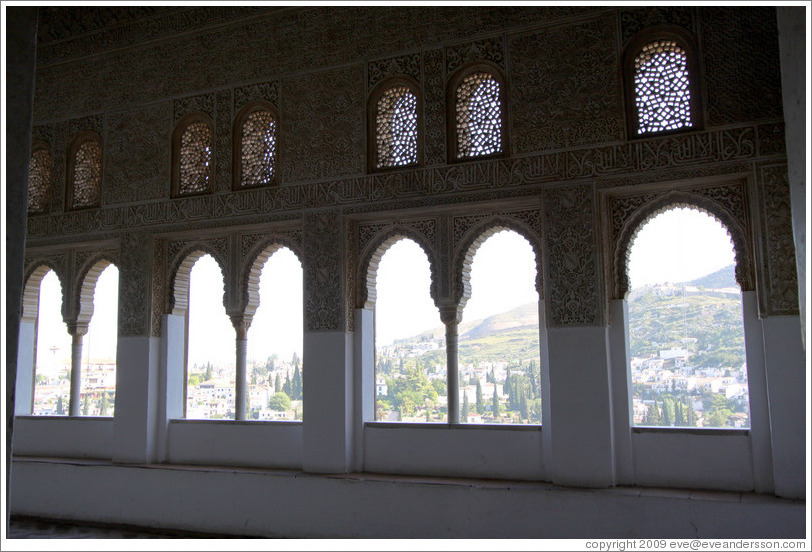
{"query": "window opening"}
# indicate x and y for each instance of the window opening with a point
(258, 149)
(662, 87)
(410, 356)
(211, 371)
(498, 347)
(275, 388)
(195, 158)
(479, 116)
(87, 175)
(686, 331)
(39, 181)
(53, 352)
(396, 128)
(98, 386)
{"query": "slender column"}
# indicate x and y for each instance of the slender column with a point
(241, 324)
(77, 331)
(451, 320)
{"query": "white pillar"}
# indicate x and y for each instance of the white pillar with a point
(580, 410)
(76, 371)
(787, 388)
(171, 382)
(363, 381)
(327, 431)
(135, 422)
(453, 372)
(759, 404)
(26, 354)
(622, 414)
(241, 385)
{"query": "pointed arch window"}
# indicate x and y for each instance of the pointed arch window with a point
(477, 113)
(394, 124)
(255, 146)
(661, 83)
(687, 362)
(85, 171)
(192, 153)
(39, 179)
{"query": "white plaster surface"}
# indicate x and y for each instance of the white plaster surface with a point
(24, 392)
(63, 436)
(292, 504)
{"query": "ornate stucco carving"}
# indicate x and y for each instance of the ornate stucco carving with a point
(380, 69)
(490, 49)
(742, 78)
(323, 128)
(324, 298)
(137, 157)
(134, 285)
(552, 97)
(779, 277)
(635, 20)
(571, 256)
(267, 90)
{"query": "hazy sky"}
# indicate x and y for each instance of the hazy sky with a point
(679, 245)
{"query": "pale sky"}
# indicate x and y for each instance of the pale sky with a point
(679, 245)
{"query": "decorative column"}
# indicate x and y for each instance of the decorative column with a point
(241, 325)
(77, 331)
(449, 316)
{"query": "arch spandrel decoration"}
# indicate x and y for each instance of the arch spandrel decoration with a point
(253, 262)
(627, 222)
(374, 249)
(182, 259)
(474, 237)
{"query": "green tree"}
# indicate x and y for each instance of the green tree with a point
(509, 390)
(523, 408)
(296, 384)
(531, 374)
(277, 383)
(287, 387)
(679, 417)
(60, 408)
(194, 380)
(691, 417)
(279, 402)
(495, 402)
(480, 406)
(103, 405)
(668, 412)
(85, 405)
(464, 413)
(208, 372)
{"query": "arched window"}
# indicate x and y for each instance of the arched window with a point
(192, 157)
(410, 356)
(98, 385)
(85, 171)
(661, 83)
(210, 356)
(477, 113)
(498, 343)
(275, 340)
(52, 349)
(685, 325)
(39, 180)
(255, 146)
(394, 124)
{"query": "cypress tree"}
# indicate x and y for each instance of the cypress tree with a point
(464, 414)
(495, 409)
(103, 405)
(667, 421)
(60, 408)
(480, 406)
(523, 411)
(208, 371)
(296, 384)
(287, 387)
(276, 384)
(532, 373)
(85, 406)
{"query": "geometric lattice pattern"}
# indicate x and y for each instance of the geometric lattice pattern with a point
(258, 149)
(479, 116)
(39, 181)
(396, 128)
(195, 159)
(662, 88)
(87, 175)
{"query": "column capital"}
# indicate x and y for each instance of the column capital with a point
(77, 329)
(241, 323)
(450, 313)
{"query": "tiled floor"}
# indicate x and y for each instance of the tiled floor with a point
(27, 528)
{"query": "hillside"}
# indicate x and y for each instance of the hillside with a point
(659, 318)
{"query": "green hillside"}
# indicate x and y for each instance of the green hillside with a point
(708, 324)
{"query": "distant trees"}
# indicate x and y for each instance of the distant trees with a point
(279, 402)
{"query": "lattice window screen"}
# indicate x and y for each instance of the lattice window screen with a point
(195, 159)
(662, 87)
(39, 181)
(479, 116)
(258, 149)
(396, 128)
(87, 175)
